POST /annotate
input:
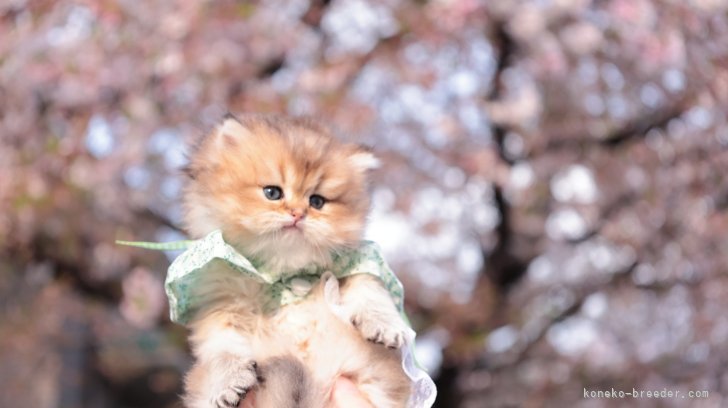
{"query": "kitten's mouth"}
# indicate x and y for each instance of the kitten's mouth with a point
(291, 227)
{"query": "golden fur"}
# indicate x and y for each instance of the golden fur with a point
(232, 334)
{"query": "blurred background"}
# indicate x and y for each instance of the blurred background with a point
(554, 194)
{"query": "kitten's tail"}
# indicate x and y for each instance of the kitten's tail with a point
(286, 383)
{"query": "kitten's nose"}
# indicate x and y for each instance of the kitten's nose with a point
(297, 214)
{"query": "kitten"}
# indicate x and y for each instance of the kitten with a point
(287, 194)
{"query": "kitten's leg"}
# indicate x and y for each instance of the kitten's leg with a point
(375, 371)
(225, 368)
(372, 310)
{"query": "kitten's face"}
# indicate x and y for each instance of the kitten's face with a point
(282, 190)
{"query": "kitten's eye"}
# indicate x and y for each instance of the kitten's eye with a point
(316, 201)
(273, 192)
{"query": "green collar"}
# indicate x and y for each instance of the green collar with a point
(187, 273)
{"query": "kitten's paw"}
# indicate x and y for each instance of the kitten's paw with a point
(384, 329)
(231, 380)
(327, 277)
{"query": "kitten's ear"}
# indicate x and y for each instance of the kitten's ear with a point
(364, 160)
(231, 131)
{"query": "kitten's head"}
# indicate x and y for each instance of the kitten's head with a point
(283, 191)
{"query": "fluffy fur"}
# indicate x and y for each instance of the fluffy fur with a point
(291, 357)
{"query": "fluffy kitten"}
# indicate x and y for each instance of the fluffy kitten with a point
(286, 194)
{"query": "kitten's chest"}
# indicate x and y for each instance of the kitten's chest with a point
(299, 324)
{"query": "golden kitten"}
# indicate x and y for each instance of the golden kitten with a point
(287, 194)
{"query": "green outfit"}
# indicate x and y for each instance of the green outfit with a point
(189, 268)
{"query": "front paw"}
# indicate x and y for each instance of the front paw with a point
(383, 328)
(230, 381)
